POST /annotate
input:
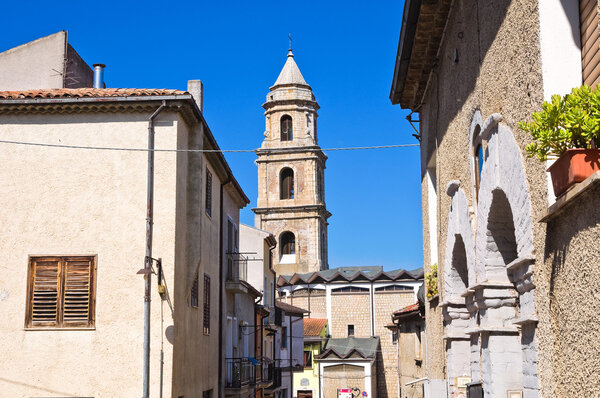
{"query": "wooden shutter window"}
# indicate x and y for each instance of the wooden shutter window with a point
(206, 320)
(77, 291)
(45, 291)
(590, 42)
(194, 295)
(61, 292)
(208, 194)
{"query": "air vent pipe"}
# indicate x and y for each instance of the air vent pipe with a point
(99, 76)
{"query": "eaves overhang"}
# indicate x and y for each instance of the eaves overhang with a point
(423, 27)
(126, 103)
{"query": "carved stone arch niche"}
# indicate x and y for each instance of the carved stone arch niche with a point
(459, 275)
(503, 296)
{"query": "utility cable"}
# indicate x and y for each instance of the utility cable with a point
(275, 150)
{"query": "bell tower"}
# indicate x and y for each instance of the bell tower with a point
(291, 180)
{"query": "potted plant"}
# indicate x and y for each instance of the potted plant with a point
(431, 282)
(567, 126)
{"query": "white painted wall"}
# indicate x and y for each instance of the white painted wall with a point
(560, 44)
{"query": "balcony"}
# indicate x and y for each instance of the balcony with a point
(240, 372)
(274, 374)
(264, 372)
(236, 280)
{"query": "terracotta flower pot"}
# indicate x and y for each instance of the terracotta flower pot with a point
(573, 166)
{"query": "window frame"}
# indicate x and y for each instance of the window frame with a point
(285, 245)
(194, 293)
(206, 306)
(309, 361)
(59, 325)
(286, 191)
(208, 193)
(351, 327)
(288, 134)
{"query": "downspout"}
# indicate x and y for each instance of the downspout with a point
(291, 355)
(372, 311)
(221, 283)
(148, 257)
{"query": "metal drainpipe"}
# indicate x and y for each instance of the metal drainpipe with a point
(221, 283)
(291, 356)
(148, 257)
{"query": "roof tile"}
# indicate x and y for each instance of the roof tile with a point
(87, 93)
(314, 326)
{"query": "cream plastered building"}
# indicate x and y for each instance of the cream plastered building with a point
(291, 175)
(73, 241)
(517, 310)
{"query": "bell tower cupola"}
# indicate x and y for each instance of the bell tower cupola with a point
(291, 179)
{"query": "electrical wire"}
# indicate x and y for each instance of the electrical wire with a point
(277, 150)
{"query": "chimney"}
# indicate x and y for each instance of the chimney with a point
(196, 88)
(99, 76)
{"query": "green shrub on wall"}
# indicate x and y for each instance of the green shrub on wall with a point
(431, 282)
(570, 121)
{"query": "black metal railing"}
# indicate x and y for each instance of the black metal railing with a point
(237, 267)
(266, 370)
(275, 373)
(239, 372)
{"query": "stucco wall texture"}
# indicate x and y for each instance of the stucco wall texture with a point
(490, 61)
(74, 202)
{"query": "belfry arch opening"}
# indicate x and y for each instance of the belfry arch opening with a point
(286, 129)
(287, 248)
(286, 183)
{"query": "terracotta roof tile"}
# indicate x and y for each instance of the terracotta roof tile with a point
(289, 308)
(314, 326)
(87, 93)
(410, 308)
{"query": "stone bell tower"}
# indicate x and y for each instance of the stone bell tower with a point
(291, 180)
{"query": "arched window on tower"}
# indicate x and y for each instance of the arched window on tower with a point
(286, 128)
(286, 184)
(287, 247)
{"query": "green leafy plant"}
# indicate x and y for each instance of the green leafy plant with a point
(431, 281)
(570, 121)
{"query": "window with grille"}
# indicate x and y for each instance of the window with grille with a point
(208, 193)
(194, 295)
(286, 128)
(206, 320)
(393, 288)
(61, 292)
(286, 184)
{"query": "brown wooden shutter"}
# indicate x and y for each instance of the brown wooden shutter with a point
(590, 41)
(206, 320)
(77, 291)
(208, 193)
(44, 292)
(194, 295)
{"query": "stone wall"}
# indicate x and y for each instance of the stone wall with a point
(350, 309)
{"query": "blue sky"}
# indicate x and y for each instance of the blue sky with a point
(346, 52)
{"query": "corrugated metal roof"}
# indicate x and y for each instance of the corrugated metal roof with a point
(350, 274)
(346, 347)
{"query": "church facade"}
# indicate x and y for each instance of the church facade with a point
(291, 179)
